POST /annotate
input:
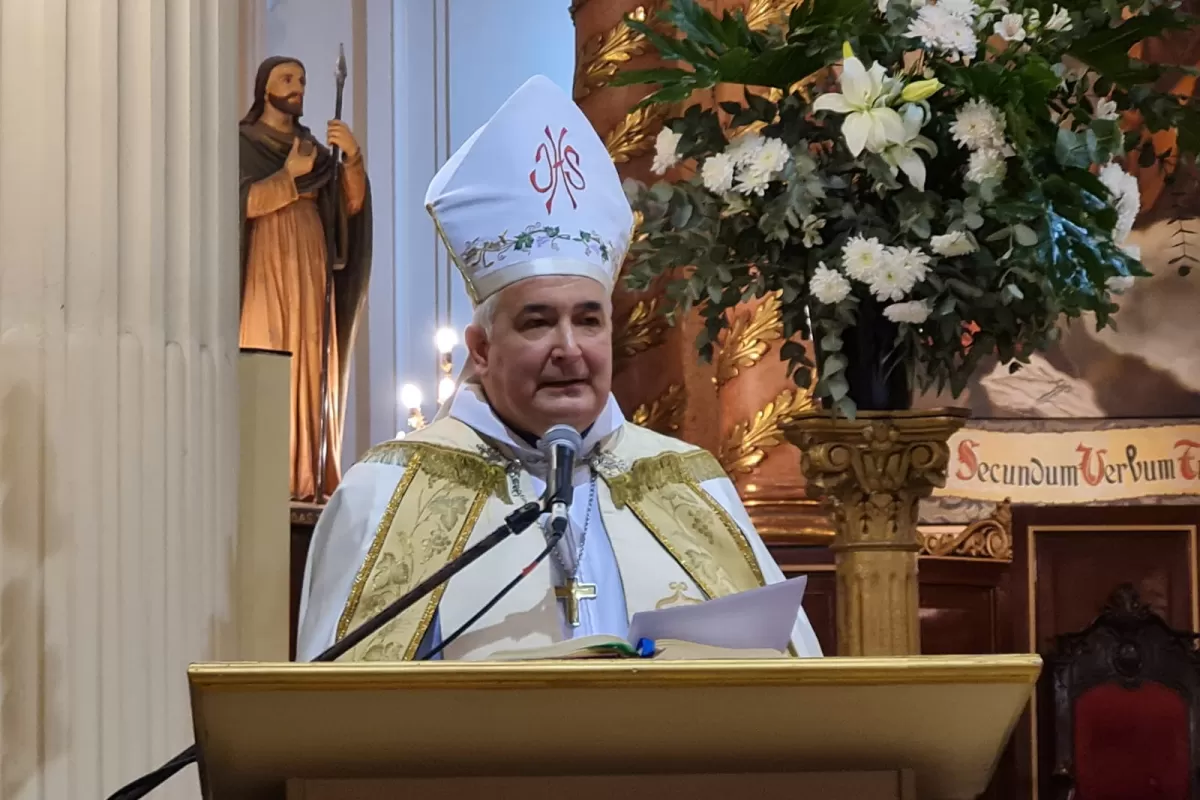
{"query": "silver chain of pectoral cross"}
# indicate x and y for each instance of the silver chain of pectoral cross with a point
(587, 521)
(514, 481)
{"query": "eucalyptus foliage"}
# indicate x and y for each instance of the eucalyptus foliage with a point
(1043, 230)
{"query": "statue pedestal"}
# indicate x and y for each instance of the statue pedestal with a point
(872, 471)
(304, 518)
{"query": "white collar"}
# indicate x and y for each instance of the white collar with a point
(470, 407)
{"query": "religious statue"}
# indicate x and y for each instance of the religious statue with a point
(305, 260)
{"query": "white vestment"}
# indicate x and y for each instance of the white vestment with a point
(349, 524)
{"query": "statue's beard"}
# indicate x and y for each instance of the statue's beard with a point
(292, 104)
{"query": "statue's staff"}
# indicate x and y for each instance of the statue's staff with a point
(334, 259)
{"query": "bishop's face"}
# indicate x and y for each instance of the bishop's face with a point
(285, 88)
(548, 357)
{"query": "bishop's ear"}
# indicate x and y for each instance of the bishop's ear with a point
(478, 347)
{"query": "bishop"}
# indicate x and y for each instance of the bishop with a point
(532, 211)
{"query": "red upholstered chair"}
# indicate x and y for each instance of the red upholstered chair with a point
(1125, 704)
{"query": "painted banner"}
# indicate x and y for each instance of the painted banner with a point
(1080, 466)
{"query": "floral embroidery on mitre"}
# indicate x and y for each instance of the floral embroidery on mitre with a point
(476, 252)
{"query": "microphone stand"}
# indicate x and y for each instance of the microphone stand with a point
(514, 523)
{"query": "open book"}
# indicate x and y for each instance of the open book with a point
(753, 624)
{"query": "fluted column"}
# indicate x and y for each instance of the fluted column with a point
(118, 419)
(872, 471)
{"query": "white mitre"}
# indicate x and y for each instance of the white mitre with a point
(533, 192)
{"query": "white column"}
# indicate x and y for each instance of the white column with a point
(118, 419)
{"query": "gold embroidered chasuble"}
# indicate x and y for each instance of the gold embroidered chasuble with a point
(673, 542)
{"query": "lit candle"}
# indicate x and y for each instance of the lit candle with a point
(446, 340)
(410, 398)
(446, 387)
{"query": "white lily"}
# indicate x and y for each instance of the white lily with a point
(903, 156)
(864, 99)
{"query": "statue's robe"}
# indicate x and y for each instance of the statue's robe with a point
(664, 526)
(288, 229)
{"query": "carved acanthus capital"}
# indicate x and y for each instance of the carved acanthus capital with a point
(872, 470)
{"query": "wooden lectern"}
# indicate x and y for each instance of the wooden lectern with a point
(928, 727)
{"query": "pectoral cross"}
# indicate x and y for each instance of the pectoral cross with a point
(572, 593)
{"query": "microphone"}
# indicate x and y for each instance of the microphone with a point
(514, 523)
(561, 445)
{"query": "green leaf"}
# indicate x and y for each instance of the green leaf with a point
(964, 288)
(1025, 235)
(831, 343)
(834, 364)
(681, 216)
(837, 386)
(666, 75)
(1070, 149)
(846, 407)
(1106, 50)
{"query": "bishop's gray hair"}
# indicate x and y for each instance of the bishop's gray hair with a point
(485, 313)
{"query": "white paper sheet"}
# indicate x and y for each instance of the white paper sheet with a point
(759, 618)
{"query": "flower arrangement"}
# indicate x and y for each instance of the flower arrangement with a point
(925, 182)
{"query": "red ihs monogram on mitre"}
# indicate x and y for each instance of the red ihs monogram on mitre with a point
(563, 165)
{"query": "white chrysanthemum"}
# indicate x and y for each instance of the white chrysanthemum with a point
(913, 261)
(1059, 20)
(898, 273)
(954, 243)
(966, 10)
(986, 164)
(890, 282)
(1104, 108)
(752, 183)
(828, 285)
(771, 158)
(1126, 198)
(665, 147)
(757, 168)
(948, 33)
(717, 173)
(979, 125)
(744, 148)
(913, 312)
(1134, 251)
(862, 257)
(1010, 28)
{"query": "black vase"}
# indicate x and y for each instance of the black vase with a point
(875, 368)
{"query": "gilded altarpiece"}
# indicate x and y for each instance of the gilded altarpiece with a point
(659, 380)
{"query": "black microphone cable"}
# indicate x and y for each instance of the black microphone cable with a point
(551, 543)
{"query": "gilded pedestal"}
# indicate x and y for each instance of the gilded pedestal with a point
(872, 471)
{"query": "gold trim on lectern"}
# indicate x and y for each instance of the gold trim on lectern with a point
(911, 670)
